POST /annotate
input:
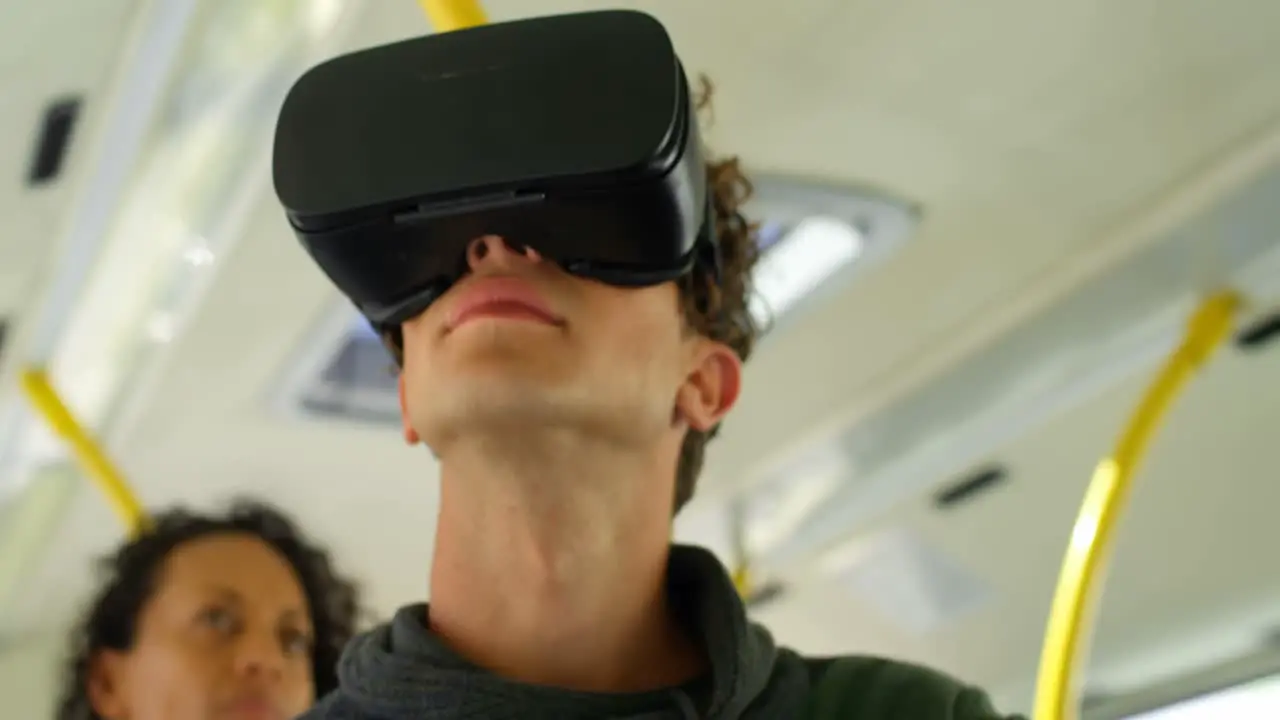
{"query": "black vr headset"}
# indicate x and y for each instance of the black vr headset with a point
(574, 135)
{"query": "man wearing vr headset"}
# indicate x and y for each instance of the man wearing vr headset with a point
(566, 296)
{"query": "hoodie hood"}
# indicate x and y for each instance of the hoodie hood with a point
(400, 671)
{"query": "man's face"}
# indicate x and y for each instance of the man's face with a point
(520, 344)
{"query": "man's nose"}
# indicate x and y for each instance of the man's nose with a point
(494, 251)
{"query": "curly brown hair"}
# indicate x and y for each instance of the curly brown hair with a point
(720, 311)
(716, 309)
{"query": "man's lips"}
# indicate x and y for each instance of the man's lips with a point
(500, 297)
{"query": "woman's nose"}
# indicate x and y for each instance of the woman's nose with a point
(259, 654)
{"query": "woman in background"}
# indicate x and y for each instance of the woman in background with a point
(235, 615)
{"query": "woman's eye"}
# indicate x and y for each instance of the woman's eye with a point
(295, 642)
(218, 619)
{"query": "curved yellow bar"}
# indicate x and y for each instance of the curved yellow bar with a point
(446, 15)
(92, 460)
(1092, 537)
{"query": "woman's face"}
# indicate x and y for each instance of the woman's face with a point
(226, 635)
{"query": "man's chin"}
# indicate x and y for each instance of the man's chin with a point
(498, 400)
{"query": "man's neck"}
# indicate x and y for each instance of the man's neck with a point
(551, 570)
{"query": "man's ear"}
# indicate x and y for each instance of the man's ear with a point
(104, 685)
(410, 435)
(711, 389)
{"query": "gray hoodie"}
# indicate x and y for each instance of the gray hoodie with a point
(400, 671)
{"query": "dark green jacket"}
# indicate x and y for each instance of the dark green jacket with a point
(401, 671)
(880, 689)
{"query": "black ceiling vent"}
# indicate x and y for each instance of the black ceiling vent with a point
(970, 487)
(1260, 332)
(56, 129)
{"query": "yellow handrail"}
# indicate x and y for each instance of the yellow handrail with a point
(446, 15)
(87, 452)
(1092, 538)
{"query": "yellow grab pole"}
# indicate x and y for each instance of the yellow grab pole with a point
(1093, 536)
(741, 574)
(90, 456)
(446, 15)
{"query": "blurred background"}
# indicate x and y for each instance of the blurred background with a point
(986, 224)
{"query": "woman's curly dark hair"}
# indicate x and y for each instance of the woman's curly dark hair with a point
(111, 621)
